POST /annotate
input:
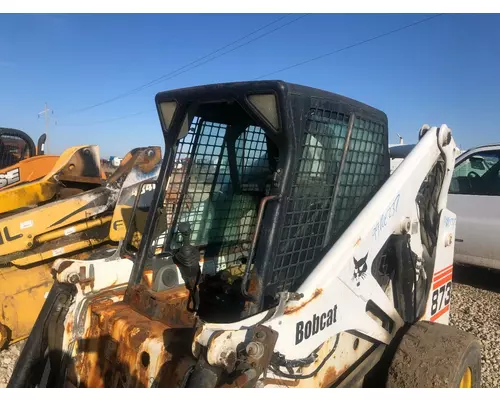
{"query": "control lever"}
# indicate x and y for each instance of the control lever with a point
(187, 259)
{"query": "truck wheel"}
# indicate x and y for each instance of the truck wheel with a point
(432, 355)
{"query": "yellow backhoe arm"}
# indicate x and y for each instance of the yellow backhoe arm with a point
(76, 167)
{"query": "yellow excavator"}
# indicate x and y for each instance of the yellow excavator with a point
(22, 161)
(69, 211)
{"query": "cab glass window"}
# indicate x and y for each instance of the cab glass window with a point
(478, 174)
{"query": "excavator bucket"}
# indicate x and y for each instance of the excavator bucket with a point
(77, 226)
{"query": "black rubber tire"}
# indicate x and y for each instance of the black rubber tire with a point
(432, 355)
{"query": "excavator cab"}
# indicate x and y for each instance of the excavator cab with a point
(15, 145)
(275, 239)
(22, 161)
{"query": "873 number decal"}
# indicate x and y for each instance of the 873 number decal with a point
(441, 293)
(440, 298)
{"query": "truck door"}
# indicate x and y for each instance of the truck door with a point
(475, 198)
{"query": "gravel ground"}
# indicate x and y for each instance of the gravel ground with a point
(8, 358)
(475, 308)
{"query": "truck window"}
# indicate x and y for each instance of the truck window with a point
(478, 174)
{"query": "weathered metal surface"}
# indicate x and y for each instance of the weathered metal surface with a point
(28, 170)
(65, 244)
(348, 351)
(294, 309)
(23, 228)
(169, 307)
(32, 193)
(22, 293)
(27, 195)
(84, 166)
(123, 348)
(59, 223)
(107, 273)
(146, 169)
(21, 298)
(144, 159)
(59, 228)
(76, 228)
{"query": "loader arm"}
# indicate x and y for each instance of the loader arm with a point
(77, 166)
(54, 229)
(343, 277)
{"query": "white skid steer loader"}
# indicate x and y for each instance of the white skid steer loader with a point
(277, 251)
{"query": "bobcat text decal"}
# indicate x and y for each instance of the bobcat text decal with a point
(9, 177)
(304, 330)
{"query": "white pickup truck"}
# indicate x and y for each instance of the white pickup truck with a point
(475, 198)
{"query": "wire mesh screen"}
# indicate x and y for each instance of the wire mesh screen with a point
(309, 208)
(313, 187)
(12, 150)
(365, 168)
(216, 186)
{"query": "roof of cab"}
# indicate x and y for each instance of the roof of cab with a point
(210, 92)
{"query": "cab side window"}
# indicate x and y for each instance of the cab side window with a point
(478, 174)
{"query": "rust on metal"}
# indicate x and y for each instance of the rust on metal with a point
(149, 159)
(294, 309)
(253, 283)
(281, 382)
(331, 375)
(169, 306)
(83, 280)
(145, 159)
(69, 327)
(147, 278)
(83, 167)
(124, 348)
(64, 265)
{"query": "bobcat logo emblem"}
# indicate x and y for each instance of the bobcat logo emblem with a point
(360, 269)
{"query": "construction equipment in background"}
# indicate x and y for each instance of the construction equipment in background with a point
(78, 225)
(75, 171)
(278, 250)
(16, 145)
(20, 160)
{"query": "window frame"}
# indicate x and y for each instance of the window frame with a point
(462, 158)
